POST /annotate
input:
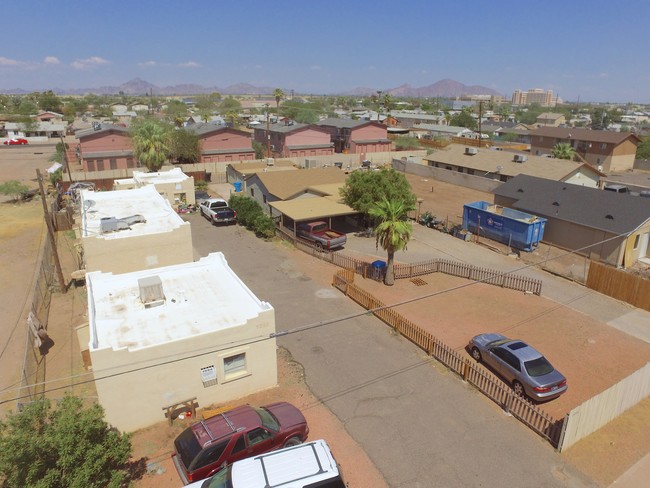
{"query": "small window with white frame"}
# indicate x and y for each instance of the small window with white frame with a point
(234, 366)
(209, 376)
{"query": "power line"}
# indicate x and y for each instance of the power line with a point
(226, 346)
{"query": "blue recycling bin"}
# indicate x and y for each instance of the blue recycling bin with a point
(237, 186)
(378, 270)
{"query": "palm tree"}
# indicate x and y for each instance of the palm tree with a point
(278, 94)
(151, 143)
(393, 230)
(562, 150)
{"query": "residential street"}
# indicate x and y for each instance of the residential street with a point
(420, 425)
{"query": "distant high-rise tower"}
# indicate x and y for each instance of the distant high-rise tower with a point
(536, 95)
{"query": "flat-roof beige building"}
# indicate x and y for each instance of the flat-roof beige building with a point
(130, 230)
(189, 332)
(173, 184)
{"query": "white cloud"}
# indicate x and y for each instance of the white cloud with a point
(316, 68)
(190, 64)
(82, 64)
(51, 60)
(147, 64)
(9, 62)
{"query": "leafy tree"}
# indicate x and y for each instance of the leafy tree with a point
(49, 101)
(68, 446)
(278, 94)
(13, 188)
(302, 112)
(529, 114)
(365, 188)
(643, 149)
(233, 117)
(405, 143)
(230, 104)
(184, 147)
(56, 177)
(176, 110)
(260, 150)
(562, 150)
(151, 142)
(464, 119)
(393, 230)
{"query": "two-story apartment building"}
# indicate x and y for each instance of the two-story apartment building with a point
(105, 146)
(220, 143)
(173, 184)
(605, 150)
(357, 136)
(292, 139)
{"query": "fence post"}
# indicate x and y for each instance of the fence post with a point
(466, 366)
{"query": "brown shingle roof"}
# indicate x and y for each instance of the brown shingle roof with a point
(579, 134)
(286, 184)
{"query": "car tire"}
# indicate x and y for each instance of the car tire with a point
(292, 441)
(319, 246)
(518, 388)
(476, 354)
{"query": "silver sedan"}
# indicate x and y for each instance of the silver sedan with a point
(523, 367)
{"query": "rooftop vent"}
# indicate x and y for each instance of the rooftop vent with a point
(113, 224)
(520, 158)
(471, 151)
(151, 292)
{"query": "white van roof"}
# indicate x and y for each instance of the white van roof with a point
(292, 467)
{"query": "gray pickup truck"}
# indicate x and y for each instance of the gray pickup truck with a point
(322, 236)
(217, 211)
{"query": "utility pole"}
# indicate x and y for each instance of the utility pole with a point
(65, 158)
(480, 116)
(50, 233)
(268, 133)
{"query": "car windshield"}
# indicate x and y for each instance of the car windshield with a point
(187, 446)
(220, 480)
(268, 419)
(538, 367)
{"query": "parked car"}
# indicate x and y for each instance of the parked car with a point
(322, 236)
(526, 369)
(206, 447)
(15, 141)
(306, 465)
(217, 211)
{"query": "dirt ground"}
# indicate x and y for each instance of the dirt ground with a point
(154, 443)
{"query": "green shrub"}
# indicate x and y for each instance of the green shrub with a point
(263, 226)
(247, 209)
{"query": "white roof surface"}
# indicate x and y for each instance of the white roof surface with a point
(200, 297)
(146, 201)
(174, 175)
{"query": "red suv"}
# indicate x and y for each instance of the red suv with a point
(206, 447)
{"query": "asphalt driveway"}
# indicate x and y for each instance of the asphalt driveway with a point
(420, 425)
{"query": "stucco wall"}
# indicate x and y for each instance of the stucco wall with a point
(226, 139)
(307, 137)
(139, 252)
(160, 376)
(447, 176)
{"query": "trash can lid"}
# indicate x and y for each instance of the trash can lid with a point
(378, 264)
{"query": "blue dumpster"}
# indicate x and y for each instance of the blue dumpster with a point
(237, 186)
(378, 270)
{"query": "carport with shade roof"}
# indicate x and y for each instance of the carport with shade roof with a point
(310, 209)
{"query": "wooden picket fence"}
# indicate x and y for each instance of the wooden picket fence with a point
(484, 381)
(412, 270)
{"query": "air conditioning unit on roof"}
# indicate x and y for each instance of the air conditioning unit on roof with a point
(471, 150)
(520, 158)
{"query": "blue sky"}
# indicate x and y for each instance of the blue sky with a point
(592, 50)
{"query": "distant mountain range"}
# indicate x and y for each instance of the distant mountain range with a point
(442, 88)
